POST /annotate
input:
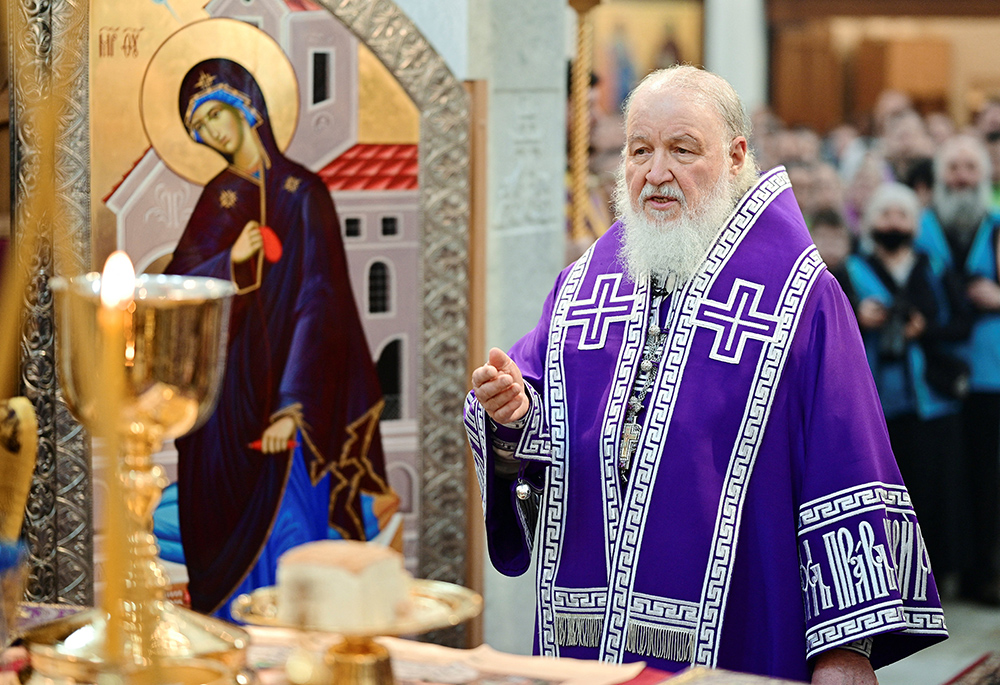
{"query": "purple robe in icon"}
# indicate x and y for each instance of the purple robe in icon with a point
(296, 347)
(764, 520)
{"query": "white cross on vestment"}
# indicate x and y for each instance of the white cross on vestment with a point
(736, 321)
(603, 308)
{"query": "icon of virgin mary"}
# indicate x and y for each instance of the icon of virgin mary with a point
(294, 441)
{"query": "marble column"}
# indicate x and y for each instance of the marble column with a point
(736, 47)
(518, 47)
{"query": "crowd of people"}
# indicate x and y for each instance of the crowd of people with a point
(908, 220)
(906, 215)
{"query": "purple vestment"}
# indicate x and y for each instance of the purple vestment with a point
(764, 520)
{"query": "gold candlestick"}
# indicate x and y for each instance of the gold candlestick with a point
(163, 346)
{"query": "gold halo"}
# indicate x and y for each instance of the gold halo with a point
(230, 39)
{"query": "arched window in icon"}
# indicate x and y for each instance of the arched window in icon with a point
(403, 480)
(390, 379)
(378, 288)
(321, 73)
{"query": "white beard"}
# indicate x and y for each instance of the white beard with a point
(961, 211)
(660, 247)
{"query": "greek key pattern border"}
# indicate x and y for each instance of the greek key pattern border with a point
(673, 613)
(796, 290)
(646, 608)
(580, 600)
(554, 503)
(535, 443)
(626, 369)
(889, 617)
(851, 502)
(475, 427)
(654, 431)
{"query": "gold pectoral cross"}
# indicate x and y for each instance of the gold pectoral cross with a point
(630, 437)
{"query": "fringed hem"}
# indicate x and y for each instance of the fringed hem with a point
(671, 644)
(579, 631)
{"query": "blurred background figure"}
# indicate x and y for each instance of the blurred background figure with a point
(940, 127)
(988, 126)
(905, 142)
(960, 230)
(835, 244)
(871, 172)
(911, 309)
(828, 190)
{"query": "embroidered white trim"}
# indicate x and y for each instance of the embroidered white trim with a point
(596, 313)
(851, 502)
(871, 622)
(626, 369)
(553, 504)
(762, 393)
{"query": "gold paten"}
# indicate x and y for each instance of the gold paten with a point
(358, 659)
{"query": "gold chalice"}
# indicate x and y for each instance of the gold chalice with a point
(136, 371)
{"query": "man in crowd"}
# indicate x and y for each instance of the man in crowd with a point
(961, 232)
(691, 435)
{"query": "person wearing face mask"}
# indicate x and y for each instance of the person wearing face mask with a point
(911, 311)
(960, 230)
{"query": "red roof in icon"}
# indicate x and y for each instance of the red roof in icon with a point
(302, 5)
(373, 167)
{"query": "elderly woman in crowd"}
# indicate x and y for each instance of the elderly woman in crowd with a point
(911, 309)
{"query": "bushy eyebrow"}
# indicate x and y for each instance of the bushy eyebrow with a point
(685, 139)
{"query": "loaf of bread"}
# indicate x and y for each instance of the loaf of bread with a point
(342, 586)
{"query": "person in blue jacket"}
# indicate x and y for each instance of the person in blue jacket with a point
(961, 230)
(912, 311)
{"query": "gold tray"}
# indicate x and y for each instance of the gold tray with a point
(434, 604)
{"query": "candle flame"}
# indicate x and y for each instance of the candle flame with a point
(118, 280)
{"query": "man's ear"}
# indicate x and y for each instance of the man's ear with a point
(737, 154)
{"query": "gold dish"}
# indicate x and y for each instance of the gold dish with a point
(358, 659)
(434, 604)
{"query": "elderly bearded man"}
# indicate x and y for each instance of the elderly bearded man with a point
(961, 232)
(691, 435)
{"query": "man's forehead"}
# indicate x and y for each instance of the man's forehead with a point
(662, 110)
(963, 154)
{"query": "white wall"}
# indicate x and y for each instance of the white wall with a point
(736, 47)
(444, 23)
(518, 47)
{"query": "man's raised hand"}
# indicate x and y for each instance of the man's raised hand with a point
(499, 387)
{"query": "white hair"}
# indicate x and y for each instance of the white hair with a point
(659, 248)
(955, 146)
(891, 195)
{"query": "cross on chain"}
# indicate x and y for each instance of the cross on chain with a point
(604, 307)
(630, 438)
(736, 321)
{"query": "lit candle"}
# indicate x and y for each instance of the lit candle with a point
(117, 281)
(117, 292)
